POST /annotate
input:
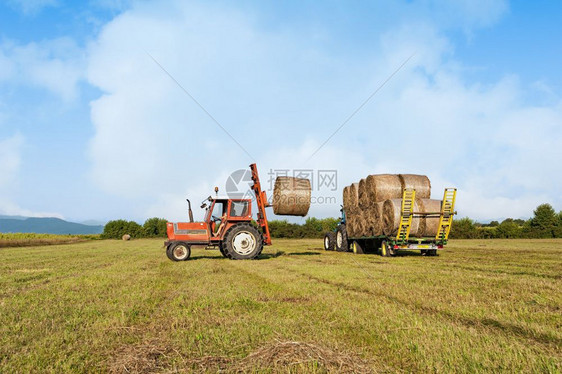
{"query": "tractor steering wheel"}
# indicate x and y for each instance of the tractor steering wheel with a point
(215, 219)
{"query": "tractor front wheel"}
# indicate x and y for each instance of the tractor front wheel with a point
(329, 241)
(178, 251)
(243, 242)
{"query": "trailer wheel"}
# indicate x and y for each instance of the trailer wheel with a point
(432, 252)
(356, 248)
(178, 251)
(329, 241)
(386, 250)
(242, 242)
(341, 239)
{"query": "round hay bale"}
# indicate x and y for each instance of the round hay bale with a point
(364, 223)
(368, 223)
(420, 183)
(350, 226)
(345, 197)
(391, 217)
(291, 196)
(126, 237)
(378, 227)
(351, 220)
(356, 224)
(430, 225)
(362, 194)
(353, 192)
(355, 227)
(371, 219)
(382, 187)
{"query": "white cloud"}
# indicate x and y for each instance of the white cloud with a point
(55, 65)
(11, 149)
(10, 158)
(281, 96)
(10, 208)
(32, 7)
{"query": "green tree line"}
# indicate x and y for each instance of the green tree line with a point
(152, 228)
(545, 223)
(312, 228)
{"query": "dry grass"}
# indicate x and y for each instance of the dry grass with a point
(278, 356)
(33, 240)
(146, 357)
(287, 355)
(123, 307)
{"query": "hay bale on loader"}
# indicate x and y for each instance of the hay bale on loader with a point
(291, 196)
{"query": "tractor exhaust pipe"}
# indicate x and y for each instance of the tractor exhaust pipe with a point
(189, 210)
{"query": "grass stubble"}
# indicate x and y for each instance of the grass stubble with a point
(123, 307)
(8, 240)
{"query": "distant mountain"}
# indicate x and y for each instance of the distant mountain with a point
(93, 222)
(46, 226)
(12, 217)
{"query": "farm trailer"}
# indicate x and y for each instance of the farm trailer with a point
(390, 244)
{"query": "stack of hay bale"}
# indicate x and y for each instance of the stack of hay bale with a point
(373, 206)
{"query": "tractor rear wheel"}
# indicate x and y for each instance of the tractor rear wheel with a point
(341, 239)
(178, 251)
(329, 241)
(221, 249)
(242, 242)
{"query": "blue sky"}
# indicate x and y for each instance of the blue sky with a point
(92, 128)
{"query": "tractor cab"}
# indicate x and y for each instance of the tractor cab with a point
(223, 212)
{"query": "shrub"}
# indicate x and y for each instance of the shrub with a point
(508, 229)
(463, 228)
(117, 228)
(544, 222)
(154, 227)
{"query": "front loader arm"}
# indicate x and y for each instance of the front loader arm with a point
(261, 200)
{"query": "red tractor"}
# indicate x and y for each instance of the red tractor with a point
(227, 226)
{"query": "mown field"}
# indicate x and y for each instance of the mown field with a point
(32, 239)
(113, 306)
